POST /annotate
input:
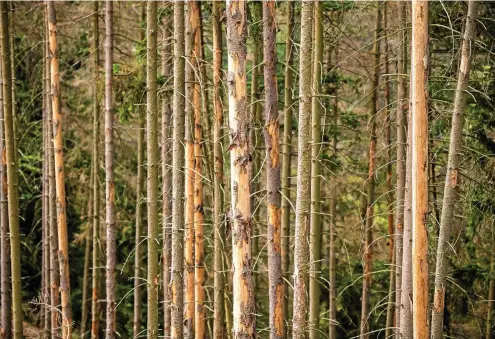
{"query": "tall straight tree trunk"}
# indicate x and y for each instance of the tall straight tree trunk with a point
(138, 260)
(189, 183)
(87, 252)
(109, 176)
(451, 182)
(286, 153)
(58, 145)
(369, 225)
(95, 309)
(219, 330)
(153, 158)
(244, 322)
(177, 293)
(5, 286)
(301, 257)
(401, 163)
(315, 212)
(272, 142)
(419, 178)
(166, 174)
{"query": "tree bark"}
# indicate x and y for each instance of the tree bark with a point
(301, 258)
(109, 176)
(87, 252)
(58, 145)
(419, 181)
(219, 330)
(451, 177)
(244, 322)
(368, 244)
(177, 294)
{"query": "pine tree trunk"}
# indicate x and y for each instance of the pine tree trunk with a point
(138, 260)
(244, 322)
(286, 154)
(301, 258)
(177, 293)
(219, 330)
(272, 142)
(95, 309)
(166, 174)
(153, 158)
(58, 145)
(419, 178)
(87, 252)
(109, 176)
(401, 163)
(451, 181)
(368, 244)
(315, 212)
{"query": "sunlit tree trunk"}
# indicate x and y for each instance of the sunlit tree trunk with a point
(451, 178)
(177, 293)
(244, 322)
(58, 145)
(419, 178)
(301, 257)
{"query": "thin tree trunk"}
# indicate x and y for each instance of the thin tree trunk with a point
(58, 145)
(5, 287)
(166, 174)
(189, 182)
(419, 177)
(368, 244)
(87, 250)
(244, 322)
(315, 212)
(153, 158)
(177, 293)
(301, 258)
(451, 177)
(286, 153)
(219, 330)
(109, 176)
(401, 163)
(490, 333)
(272, 142)
(95, 309)
(138, 260)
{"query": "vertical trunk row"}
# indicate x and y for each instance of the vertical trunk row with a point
(138, 298)
(95, 309)
(166, 174)
(219, 330)
(315, 212)
(177, 293)
(451, 182)
(419, 182)
(301, 258)
(58, 145)
(272, 142)
(244, 322)
(153, 158)
(109, 176)
(368, 244)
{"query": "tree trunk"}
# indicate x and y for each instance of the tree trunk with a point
(219, 330)
(286, 153)
(301, 258)
(177, 293)
(58, 145)
(95, 309)
(109, 176)
(451, 181)
(138, 260)
(419, 178)
(272, 142)
(490, 333)
(315, 212)
(244, 322)
(166, 174)
(368, 244)
(87, 250)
